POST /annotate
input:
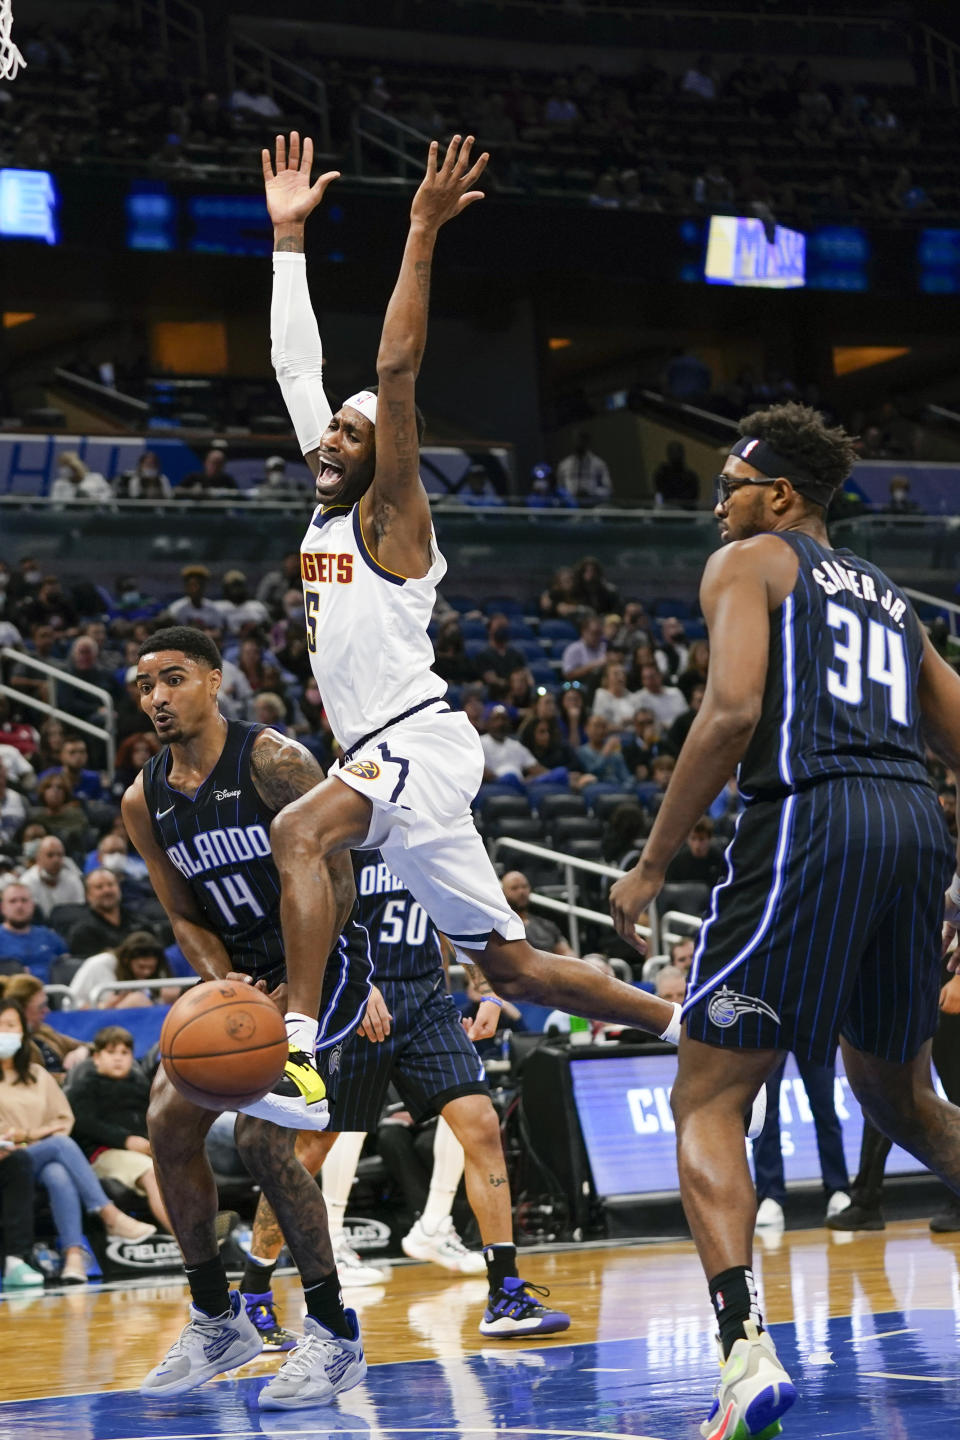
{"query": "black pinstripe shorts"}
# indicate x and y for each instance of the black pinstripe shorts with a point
(426, 1057)
(826, 923)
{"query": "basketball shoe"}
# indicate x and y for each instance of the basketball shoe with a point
(321, 1366)
(444, 1247)
(753, 1392)
(514, 1311)
(351, 1270)
(206, 1347)
(298, 1101)
(260, 1309)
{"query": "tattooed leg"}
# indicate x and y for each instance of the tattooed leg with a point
(292, 1193)
(312, 1148)
(473, 1120)
(900, 1100)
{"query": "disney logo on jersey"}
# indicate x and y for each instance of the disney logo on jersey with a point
(364, 769)
(726, 1007)
(322, 568)
(225, 794)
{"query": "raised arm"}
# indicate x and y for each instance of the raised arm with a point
(295, 347)
(200, 944)
(395, 510)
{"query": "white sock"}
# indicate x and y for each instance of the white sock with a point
(447, 1169)
(301, 1031)
(337, 1177)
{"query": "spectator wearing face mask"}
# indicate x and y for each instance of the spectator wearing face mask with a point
(52, 879)
(75, 481)
(146, 481)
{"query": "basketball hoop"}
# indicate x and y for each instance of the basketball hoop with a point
(10, 57)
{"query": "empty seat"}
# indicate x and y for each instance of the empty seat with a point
(550, 806)
(558, 630)
(605, 802)
(502, 807)
(531, 650)
(516, 827)
(565, 828)
(690, 898)
(544, 673)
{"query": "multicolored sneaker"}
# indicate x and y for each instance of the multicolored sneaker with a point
(753, 1392)
(298, 1101)
(513, 1311)
(261, 1311)
(321, 1366)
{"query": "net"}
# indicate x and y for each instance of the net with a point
(10, 57)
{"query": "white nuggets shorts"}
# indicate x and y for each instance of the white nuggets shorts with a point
(421, 776)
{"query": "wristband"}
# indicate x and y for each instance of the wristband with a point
(672, 1032)
(491, 1000)
(953, 894)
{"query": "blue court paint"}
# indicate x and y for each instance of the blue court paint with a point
(896, 1373)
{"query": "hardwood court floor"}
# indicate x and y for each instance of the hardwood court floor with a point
(867, 1325)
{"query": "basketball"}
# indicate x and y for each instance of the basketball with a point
(223, 1044)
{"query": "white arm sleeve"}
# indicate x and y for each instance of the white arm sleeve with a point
(296, 351)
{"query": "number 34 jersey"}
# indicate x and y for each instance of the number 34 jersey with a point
(841, 690)
(220, 843)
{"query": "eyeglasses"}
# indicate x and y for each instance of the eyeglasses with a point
(724, 486)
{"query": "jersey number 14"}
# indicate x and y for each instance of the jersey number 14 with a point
(230, 893)
(880, 652)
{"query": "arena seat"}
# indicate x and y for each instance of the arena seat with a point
(690, 897)
(549, 807)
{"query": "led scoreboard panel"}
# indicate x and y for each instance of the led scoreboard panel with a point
(623, 1105)
(743, 251)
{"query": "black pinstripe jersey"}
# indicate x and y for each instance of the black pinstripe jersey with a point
(220, 843)
(403, 939)
(841, 691)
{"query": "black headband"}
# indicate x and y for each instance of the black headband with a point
(771, 463)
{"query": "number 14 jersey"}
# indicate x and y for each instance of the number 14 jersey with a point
(841, 691)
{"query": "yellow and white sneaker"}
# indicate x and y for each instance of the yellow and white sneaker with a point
(754, 1391)
(298, 1101)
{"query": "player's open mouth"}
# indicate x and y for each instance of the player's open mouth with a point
(164, 721)
(329, 477)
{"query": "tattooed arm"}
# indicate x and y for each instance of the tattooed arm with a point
(282, 771)
(395, 510)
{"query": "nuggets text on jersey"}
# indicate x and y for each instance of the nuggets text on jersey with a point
(322, 567)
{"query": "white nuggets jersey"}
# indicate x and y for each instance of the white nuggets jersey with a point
(366, 627)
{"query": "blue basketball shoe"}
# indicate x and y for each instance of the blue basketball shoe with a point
(515, 1311)
(261, 1311)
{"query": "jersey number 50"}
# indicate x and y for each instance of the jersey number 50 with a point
(885, 661)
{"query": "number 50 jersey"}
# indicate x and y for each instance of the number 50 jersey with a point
(841, 690)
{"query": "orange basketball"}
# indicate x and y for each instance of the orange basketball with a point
(223, 1044)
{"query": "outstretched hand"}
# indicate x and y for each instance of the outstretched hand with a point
(290, 196)
(445, 190)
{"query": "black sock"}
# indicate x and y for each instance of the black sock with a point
(256, 1277)
(325, 1303)
(501, 1263)
(208, 1287)
(734, 1296)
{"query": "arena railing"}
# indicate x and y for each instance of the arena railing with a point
(110, 987)
(388, 138)
(106, 732)
(289, 84)
(951, 610)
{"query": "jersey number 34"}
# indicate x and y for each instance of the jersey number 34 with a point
(880, 652)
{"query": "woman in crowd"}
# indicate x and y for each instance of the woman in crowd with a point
(269, 709)
(521, 695)
(643, 655)
(60, 813)
(590, 590)
(250, 662)
(449, 656)
(613, 701)
(132, 754)
(139, 957)
(47, 754)
(548, 747)
(558, 601)
(35, 1113)
(698, 661)
(625, 832)
(573, 717)
(58, 1053)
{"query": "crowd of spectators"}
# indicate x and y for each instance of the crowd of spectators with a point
(752, 134)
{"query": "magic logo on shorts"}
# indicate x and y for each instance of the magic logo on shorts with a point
(364, 769)
(726, 1007)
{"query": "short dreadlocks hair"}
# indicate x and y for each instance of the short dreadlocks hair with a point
(800, 433)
